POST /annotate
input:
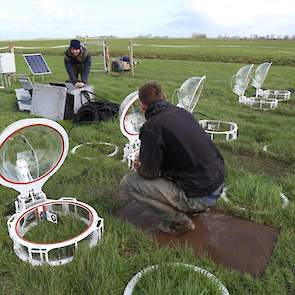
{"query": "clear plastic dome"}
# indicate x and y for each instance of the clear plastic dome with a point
(260, 74)
(30, 153)
(133, 117)
(241, 79)
(190, 92)
(243, 76)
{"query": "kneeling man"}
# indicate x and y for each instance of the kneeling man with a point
(179, 172)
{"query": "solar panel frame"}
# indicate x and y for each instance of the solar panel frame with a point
(34, 64)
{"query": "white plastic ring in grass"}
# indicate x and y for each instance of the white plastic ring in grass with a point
(259, 103)
(132, 283)
(265, 149)
(284, 200)
(280, 95)
(227, 200)
(263, 103)
(227, 131)
(60, 252)
(112, 154)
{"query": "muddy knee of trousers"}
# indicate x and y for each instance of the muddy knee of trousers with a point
(127, 181)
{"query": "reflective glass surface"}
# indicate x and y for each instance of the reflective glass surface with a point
(30, 153)
(134, 117)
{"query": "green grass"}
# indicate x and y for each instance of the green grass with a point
(280, 52)
(176, 279)
(67, 228)
(254, 177)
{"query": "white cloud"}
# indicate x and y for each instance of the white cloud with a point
(48, 7)
(45, 18)
(65, 18)
(243, 13)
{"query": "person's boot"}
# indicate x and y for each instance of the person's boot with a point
(179, 225)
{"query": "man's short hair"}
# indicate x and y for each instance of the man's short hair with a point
(150, 92)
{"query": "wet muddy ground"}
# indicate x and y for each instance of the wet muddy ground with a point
(229, 241)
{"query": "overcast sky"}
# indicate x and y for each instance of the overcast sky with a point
(28, 19)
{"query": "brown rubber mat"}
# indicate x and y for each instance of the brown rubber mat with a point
(229, 241)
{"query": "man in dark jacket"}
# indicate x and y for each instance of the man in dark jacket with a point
(179, 170)
(77, 61)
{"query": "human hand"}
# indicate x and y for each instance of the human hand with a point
(135, 161)
(79, 84)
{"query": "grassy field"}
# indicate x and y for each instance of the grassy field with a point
(280, 52)
(255, 177)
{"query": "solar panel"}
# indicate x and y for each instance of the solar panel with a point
(37, 64)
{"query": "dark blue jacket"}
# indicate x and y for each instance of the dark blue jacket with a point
(80, 64)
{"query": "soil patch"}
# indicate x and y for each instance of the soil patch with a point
(229, 241)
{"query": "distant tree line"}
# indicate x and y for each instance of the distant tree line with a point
(96, 37)
(257, 37)
(200, 36)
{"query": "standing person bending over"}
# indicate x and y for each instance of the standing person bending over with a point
(179, 170)
(77, 61)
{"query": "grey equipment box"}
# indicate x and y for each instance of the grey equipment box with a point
(49, 101)
(56, 101)
(79, 97)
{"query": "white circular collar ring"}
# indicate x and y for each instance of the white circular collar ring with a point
(112, 154)
(135, 279)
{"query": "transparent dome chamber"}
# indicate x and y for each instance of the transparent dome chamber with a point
(31, 151)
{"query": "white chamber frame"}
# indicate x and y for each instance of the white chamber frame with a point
(212, 128)
(240, 83)
(127, 122)
(279, 95)
(32, 201)
(56, 253)
(259, 103)
(136, 278)
(261, 73)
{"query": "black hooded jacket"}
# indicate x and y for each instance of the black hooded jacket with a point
(174, 146)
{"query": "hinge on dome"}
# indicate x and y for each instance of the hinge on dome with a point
(25, 201)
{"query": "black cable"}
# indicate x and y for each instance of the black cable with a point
(87, 113)
(110, 105)
(94, 110)
(99, 97)
(86, 95)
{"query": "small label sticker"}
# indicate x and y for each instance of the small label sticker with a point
(211, 126)
(52, 217)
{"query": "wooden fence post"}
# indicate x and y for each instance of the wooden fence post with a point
(106, 56)
(131, 58)
(11, 48)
